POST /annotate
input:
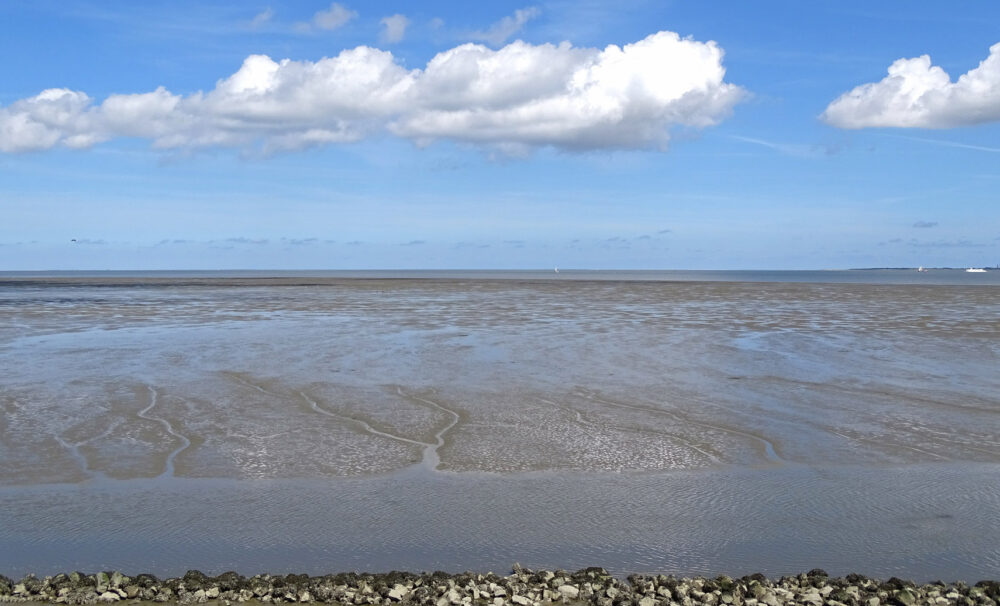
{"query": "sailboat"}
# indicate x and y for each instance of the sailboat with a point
(975, 270)
(921, 269)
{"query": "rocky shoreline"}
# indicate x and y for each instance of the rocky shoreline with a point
(522, 587)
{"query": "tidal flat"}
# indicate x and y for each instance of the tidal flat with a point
(316, 423)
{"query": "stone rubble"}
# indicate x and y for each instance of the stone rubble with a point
(523, 587)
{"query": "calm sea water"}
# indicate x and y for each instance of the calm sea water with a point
(684, 422)
(856, 276)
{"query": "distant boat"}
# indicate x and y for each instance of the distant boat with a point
(975, 270)
(921, 269)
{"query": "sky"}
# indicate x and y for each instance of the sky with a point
(571, 134)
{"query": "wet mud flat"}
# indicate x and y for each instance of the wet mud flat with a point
(521, 587)
(925, 522)
(694, 427)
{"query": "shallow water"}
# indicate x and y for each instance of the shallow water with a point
(318, 423)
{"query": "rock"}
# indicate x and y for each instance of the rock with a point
(591, 586)
(771, 599)
(813, 599)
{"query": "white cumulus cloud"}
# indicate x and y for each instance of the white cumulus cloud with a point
(499, 32)
(515, 98)
(918, 94)
(395, 28)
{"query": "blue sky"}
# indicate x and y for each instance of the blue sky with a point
(712, 135)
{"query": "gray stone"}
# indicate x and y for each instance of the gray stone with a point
(109, 596)
(397, 592)
(771, 599)
(520, 600)
(812, 597)
(569, 592)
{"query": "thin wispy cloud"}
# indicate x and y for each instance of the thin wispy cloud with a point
(393, 29)
(790, 149)
(329, 19)
(925, 224)
(261, 18)
(945, 143)
(300, 241)
(502, 30)
(945, 244)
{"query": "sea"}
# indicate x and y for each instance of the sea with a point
(676, 422)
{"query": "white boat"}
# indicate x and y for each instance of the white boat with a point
(975, 270)
(921, 269)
